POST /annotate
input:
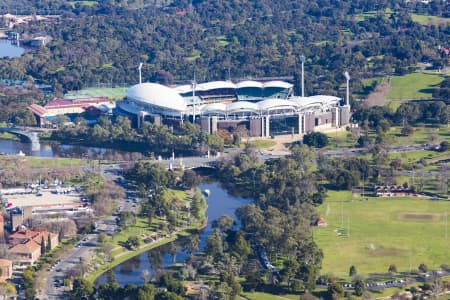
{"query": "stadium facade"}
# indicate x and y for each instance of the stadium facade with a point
(262, 109)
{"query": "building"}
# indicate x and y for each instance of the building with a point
(39, 41)
(25, 244)
(19, 215)
(6, 269)
(263, 108)
(63, 106)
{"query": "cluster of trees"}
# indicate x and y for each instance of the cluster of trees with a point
(315, 139)
(280, 218)
(83, 289)
(152, 180)
(174, 38)
(345, 173)
(443, 92)
(381, 118)
(187, 139)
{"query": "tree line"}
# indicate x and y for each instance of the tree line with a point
(152, 139)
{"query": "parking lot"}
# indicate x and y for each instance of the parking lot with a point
(45, 199)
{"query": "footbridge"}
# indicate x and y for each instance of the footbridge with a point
(26, 134)
(192, 162)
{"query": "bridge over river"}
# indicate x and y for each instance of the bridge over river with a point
(26, 134)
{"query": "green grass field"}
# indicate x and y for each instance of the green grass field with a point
(85, 3)
(115, 93)
(413, 86)
(428, 20)
(380, 232)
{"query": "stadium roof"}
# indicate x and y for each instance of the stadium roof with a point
(157, 95)
(249, 84)
(271, 104)
(214, 108)
(278, 84)
(241, 106)
(212, 85)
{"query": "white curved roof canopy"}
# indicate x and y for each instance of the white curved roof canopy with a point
(249, 84)
(272, 104)
(278, 84)
(215, 85)
(326, 98)
(183, 89)
(213, 108)
(242, 106)
(157, 95)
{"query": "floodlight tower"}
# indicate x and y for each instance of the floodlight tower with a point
(347, 95)
(302, 59)
(194, 84)
(140, 72)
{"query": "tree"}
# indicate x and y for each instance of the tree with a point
(360, 287)
(335, 290)
(352, 272)
(315, 139)
(392, 269)
(49, 243)
(43, 248)
(444, 146)
(407, 130)
(132, 242)
(82, 289)
(190, 179)
(423, 268)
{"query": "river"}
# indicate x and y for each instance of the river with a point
(7, 49)
(49, 149)
(129, 272)
(219, 203)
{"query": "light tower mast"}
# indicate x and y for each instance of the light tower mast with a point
(140, 73)
(302, 59)
(194, 84)
(347, 95)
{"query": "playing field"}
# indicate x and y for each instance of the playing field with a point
(112, 93)
(381, 231)
(414, 86)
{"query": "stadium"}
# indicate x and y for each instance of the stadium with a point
(260, 109)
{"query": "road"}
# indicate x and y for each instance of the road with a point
(85, 248)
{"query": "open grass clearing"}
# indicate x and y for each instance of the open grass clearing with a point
(375, 236)
(263, 144)
(429, 20)
(413, 86)
(113, 93)
(73, 4)
(267, 296)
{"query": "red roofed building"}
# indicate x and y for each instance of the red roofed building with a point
(26, 244)
(26, 253)
(63, 106)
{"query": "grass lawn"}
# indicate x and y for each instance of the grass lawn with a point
(112, 93)
(380, 232)
(263, 144)
(427, 20)
(413, 86)
(41, 162)
(266, 296)
(422, 135)
(85, 3)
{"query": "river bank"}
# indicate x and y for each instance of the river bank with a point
(152, 232)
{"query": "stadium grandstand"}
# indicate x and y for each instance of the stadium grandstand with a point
(263, 108)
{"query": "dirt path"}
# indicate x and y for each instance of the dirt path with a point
(378, 96)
